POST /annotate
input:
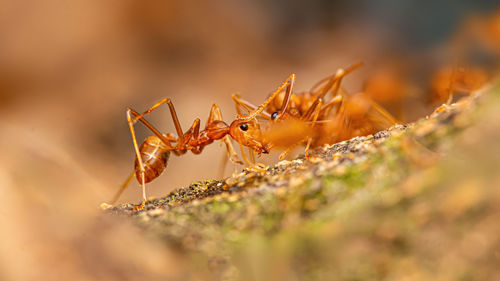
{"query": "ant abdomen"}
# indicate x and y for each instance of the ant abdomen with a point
(154, 155)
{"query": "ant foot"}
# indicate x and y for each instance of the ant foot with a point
(236, 161)
(440, 109)
(258, 167)
(140, 206)
(105, 206)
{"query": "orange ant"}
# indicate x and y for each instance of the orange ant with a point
(477, 36)
(449, 81)
(153, 154)
(307, 118)
(294, 115)
(482, 31)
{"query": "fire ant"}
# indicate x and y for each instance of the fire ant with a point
(153, 154)
(293, 116)
(473, 48)
(307, 118)
(449, 81)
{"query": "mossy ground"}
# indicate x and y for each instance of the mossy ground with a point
(415, 202)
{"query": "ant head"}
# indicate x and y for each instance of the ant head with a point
(247, 132)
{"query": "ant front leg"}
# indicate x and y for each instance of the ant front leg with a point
(252, 166)
(260, 108)
(385, 114)
(327, 108)
(286, 98)
(314, 119)
(231, 153)
(337, 77)
(240, 104)
(332, 85)
(254, 110)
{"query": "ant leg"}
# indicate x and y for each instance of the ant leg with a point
(286, 100)
(327, 108)
(340, 73)
(251, 166)
(261, 107)
(139, 159)
(240, 103)
(122, 188)
(383, 112)
(245, 157)
(117, 195)
(315, 111)
(333, 85)
(191, 133)
(252, 158)
(231, 153)
(215, 114)
(450, 86)
(177, 125)
(318, 100)
(314, 119)
(165, 138)
(251, 154)
(285, 153)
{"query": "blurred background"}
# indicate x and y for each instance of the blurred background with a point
(69, 70)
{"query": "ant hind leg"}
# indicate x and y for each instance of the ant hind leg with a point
(139, 160)
(118, 193)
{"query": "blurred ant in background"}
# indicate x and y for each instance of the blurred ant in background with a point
(476, 52)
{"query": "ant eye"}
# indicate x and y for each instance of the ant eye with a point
(244, 127)
(274, 115)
